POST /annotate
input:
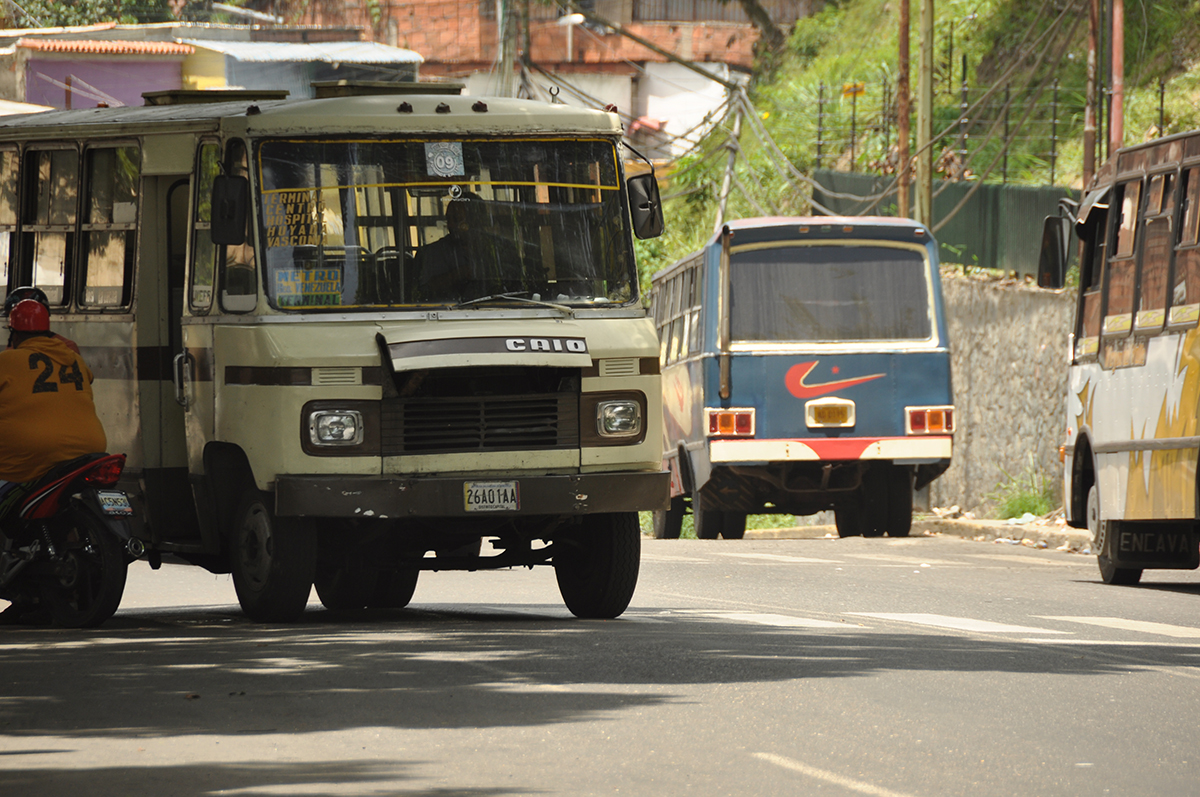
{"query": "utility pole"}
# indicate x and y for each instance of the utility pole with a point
(727, 183)
(1116, 126)
(504, 41)
(902, 115)
(1089, 112)
(924, 204)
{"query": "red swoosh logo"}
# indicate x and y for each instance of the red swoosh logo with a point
(794, 380)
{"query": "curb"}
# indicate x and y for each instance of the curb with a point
(1032, 535)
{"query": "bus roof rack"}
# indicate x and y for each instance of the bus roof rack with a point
(204, 96)
(362, 88)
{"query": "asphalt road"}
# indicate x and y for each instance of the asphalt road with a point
(926, 666)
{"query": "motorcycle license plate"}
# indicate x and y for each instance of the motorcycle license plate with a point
(114, 503)
(491, 496)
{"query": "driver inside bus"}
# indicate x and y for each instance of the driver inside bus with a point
(46, 407)
(470, 259)
(444, 266)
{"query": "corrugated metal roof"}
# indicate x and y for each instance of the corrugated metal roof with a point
(330, 52)
(94, 47)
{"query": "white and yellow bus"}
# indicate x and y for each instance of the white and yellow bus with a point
(1133, 399)
(310, 388)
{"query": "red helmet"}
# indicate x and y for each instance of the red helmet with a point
(29, 315)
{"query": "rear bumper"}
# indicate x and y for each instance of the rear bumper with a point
(912, 450)
(422, 496)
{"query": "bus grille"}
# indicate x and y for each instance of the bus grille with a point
(484, 423)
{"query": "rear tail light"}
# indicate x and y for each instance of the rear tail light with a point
(929, 420)
(107, 472)
(731, 423)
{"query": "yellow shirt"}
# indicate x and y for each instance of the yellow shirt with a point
(46, 411)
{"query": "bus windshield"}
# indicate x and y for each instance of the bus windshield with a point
(832, 293)
(365, 224)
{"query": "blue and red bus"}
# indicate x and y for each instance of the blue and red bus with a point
(806, 367)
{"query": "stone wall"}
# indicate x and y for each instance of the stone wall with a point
(1008, 348)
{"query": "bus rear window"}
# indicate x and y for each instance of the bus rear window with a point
(829, 294)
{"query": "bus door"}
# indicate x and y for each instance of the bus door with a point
(168, 494)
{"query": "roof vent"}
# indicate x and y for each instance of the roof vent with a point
(479, 107)
(204, 96)
(323, 89)
(404, 107)
(442, 108)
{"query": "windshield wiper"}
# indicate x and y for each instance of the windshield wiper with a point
(515, 296)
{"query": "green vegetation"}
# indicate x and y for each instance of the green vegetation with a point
(1027, 492)
(1023, 44)
(646, 521)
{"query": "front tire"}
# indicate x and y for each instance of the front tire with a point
(1101, 540)
(89, 577)
(273, 561)
(597, 566)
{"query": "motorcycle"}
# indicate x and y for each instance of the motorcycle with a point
(66, 546)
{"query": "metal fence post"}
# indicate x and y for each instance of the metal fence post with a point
(820, 121)
(1054, 131)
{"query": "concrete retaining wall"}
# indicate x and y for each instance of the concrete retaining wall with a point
(1009, 354)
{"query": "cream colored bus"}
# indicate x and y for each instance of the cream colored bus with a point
(315, 379)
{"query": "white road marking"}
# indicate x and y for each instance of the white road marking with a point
(907, 561)
(957, 623)
(1141, 626)
(772, 557)
(829, 777)
(777, 620)
(1037, 560)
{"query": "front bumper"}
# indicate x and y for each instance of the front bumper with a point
(440, 496)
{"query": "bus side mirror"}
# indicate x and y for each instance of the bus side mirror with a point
(645, 206)
(1052, 260)
(230, 200)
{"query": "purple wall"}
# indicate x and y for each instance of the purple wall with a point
(124, 80)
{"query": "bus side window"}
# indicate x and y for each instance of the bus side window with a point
(110, 229)
(1158, 236)
(8, 215)
(697, 290)
(1118, 315)
(204, 251)
(48, 220)
(239, 272)
(676, 322)
(1185, 293)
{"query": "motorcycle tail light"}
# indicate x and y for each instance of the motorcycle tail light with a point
(106, 472)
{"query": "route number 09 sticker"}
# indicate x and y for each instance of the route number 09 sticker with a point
(444, 159)
(491, 496)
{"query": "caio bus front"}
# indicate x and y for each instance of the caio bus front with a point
(311, 387)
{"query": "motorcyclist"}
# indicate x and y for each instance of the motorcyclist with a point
(46, 407)
(37, 294)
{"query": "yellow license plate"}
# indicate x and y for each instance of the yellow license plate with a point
(831, 416)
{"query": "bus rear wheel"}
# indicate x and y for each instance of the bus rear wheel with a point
(596, 566)
(1101, 539)
(668, 523)
(273, 561)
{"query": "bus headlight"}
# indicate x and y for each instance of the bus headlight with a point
(618, 418)
(612, 418)
(335, 428)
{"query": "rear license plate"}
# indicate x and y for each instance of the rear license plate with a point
(831, 416)
(491, 496)
(114, 503)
